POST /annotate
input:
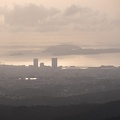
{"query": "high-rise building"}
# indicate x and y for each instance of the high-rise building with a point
(35, 62)
(42, 65)
(54, 62)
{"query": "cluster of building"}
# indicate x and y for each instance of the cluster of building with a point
(54, 63)
(31, 71)
(38, 70)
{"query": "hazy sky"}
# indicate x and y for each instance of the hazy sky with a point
(32, 24)
(110, 6)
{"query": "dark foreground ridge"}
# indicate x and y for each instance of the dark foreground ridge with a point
(98, 97)
(107, 111)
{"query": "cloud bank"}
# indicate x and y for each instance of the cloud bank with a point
(60, 50)
(41, 19)
(56, 50)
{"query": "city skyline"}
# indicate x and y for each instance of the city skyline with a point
(55, 63)
(59, 59)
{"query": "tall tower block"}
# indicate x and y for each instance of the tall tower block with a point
(54, 62)
(35, 62)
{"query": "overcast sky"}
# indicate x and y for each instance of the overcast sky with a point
(88, 23)
(70, 20)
